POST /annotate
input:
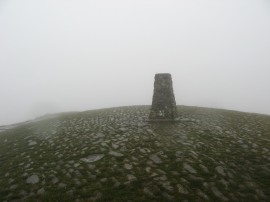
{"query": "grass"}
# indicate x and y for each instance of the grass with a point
(202, 138)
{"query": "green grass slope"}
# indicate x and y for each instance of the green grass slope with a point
(208, 155)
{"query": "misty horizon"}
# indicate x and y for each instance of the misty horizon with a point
(75, 56)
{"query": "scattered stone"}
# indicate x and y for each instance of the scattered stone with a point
(103, 180)
(128, 166)
(116, 182)
(205, 169)
(148, 169)
(167, 196)
(218, 194)
(92, 158)
(148, 192)
(62, 185)
(189, 168)
(116, 154)
(115, 146)
(131, 177)
(41, 191)
(220, 170)
(202, 195)
(167, 186)
(14, 186)
(32, 143)
(97, 196)
(181, 189)
(55, 180)
(155, 159)
(123, 129)
(33, 179)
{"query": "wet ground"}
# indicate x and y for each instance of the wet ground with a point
(117, 155)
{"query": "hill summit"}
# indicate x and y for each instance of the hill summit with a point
(117, 155)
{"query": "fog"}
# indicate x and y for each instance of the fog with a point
(68, 55)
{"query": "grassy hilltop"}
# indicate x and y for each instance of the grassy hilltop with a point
(116, 155)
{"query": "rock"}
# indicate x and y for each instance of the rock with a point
(115, 146)
(167, 186)
(168, 196)
(97, 196)
(220, 170)
(55, 180)
(205, 169)
(33, 179)
(100, 135)
(155, 159)
(116, 182)
(62, 185)
(92, 158)
(189, 168)
(202, 195)
(13, 186)
(131, 177)
(116, 154)
(218, 194)
(32, 143)
(148, 169)
(128, 166)
(123, 129)
(148, 192)
(104, 179)
(41, 191)
(181, 189)
(70, 192)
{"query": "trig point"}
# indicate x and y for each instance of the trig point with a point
(163, 104)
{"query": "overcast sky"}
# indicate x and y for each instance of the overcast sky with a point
(75, 55)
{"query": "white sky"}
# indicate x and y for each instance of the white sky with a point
(73, 55)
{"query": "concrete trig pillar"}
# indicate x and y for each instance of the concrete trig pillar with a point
(163, 104)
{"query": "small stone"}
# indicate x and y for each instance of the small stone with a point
(97, 196)
(55, 180)
(202, 195)
(189, 168)
(205, 169)
(116, 182)
(148, 192)
(167, 186)
(220, 170)
(115, 146)
(32, 143)
(13, 186)
(168, 196)
(123, 129)
(116, 154)
(218, 194)
(128, 166)
(62, 185)
(131, 177)
(41, 191)
(148, 169)
(70, 192)
(155, 159)
(33, 179)
(92, 158)
(181, 189)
